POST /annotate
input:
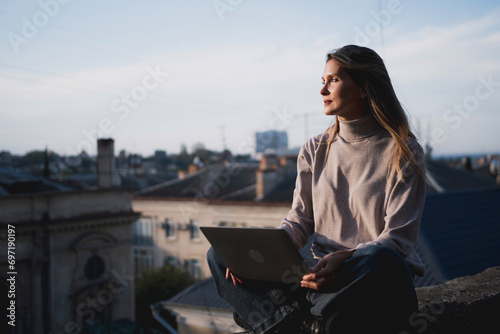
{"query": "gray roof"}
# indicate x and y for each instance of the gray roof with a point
(462, 230)
(13, 182)
(226, 181)
(201, 294)
(451, 179)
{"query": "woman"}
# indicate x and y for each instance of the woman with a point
(358, 199)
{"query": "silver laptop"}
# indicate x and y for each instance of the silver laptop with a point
(264, 254)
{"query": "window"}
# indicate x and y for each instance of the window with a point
(94, 268)
(231, 224)
(169, 227)
(143, 232)
(194, 230)
(195, 268)
(171, 261)
(143, 260)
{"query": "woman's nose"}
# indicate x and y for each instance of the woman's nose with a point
(324, 91)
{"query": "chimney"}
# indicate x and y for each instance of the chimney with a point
(269, 174)
(269, 161)
(107, 177)
(181, 174)
(288, 163)
(192, 168)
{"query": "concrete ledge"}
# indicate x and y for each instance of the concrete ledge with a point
(469, 304)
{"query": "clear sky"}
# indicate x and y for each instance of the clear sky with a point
(156, 74)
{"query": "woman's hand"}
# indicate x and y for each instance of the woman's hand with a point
(324, 271)
(233, 277)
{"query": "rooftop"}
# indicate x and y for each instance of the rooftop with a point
(202, 294)
(452, 179)
(462, 229)
(13, 182)
(229, 181)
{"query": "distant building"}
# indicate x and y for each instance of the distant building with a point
(121, 161)
(134, 164)
(271, 141)
(160, 155)
(5, 159)
(73, 251)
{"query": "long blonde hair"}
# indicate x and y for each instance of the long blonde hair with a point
(368, 71)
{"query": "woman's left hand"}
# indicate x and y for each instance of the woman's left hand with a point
(324, 271)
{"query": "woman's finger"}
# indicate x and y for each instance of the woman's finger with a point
(318, 284)
(235, 282)
(233, 277)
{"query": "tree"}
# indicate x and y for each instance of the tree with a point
(37, 157)
(157, 285)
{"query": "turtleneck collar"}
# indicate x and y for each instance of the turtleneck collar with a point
(359, 129)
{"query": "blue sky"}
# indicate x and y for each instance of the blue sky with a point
(156, 74)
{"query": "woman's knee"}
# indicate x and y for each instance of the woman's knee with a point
(384, 260)
(213, 258)
(211, 254)
(215, 264)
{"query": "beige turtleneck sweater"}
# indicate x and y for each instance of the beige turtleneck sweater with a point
(348, 202)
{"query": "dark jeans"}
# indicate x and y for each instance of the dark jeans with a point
(372, 291)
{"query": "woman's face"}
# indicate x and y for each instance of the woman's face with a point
(341, 95)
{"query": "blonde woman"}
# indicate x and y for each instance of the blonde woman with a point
(358, 200)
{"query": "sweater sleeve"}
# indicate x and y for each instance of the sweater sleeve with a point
(404, 207)
(299, 222)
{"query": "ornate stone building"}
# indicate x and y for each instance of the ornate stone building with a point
(73, 259)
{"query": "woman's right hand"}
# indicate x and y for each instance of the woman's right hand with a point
(233, 277)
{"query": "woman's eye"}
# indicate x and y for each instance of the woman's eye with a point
(330, 80)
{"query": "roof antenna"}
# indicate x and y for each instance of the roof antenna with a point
(224, 147)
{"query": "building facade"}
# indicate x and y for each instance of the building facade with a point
(73, 259)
